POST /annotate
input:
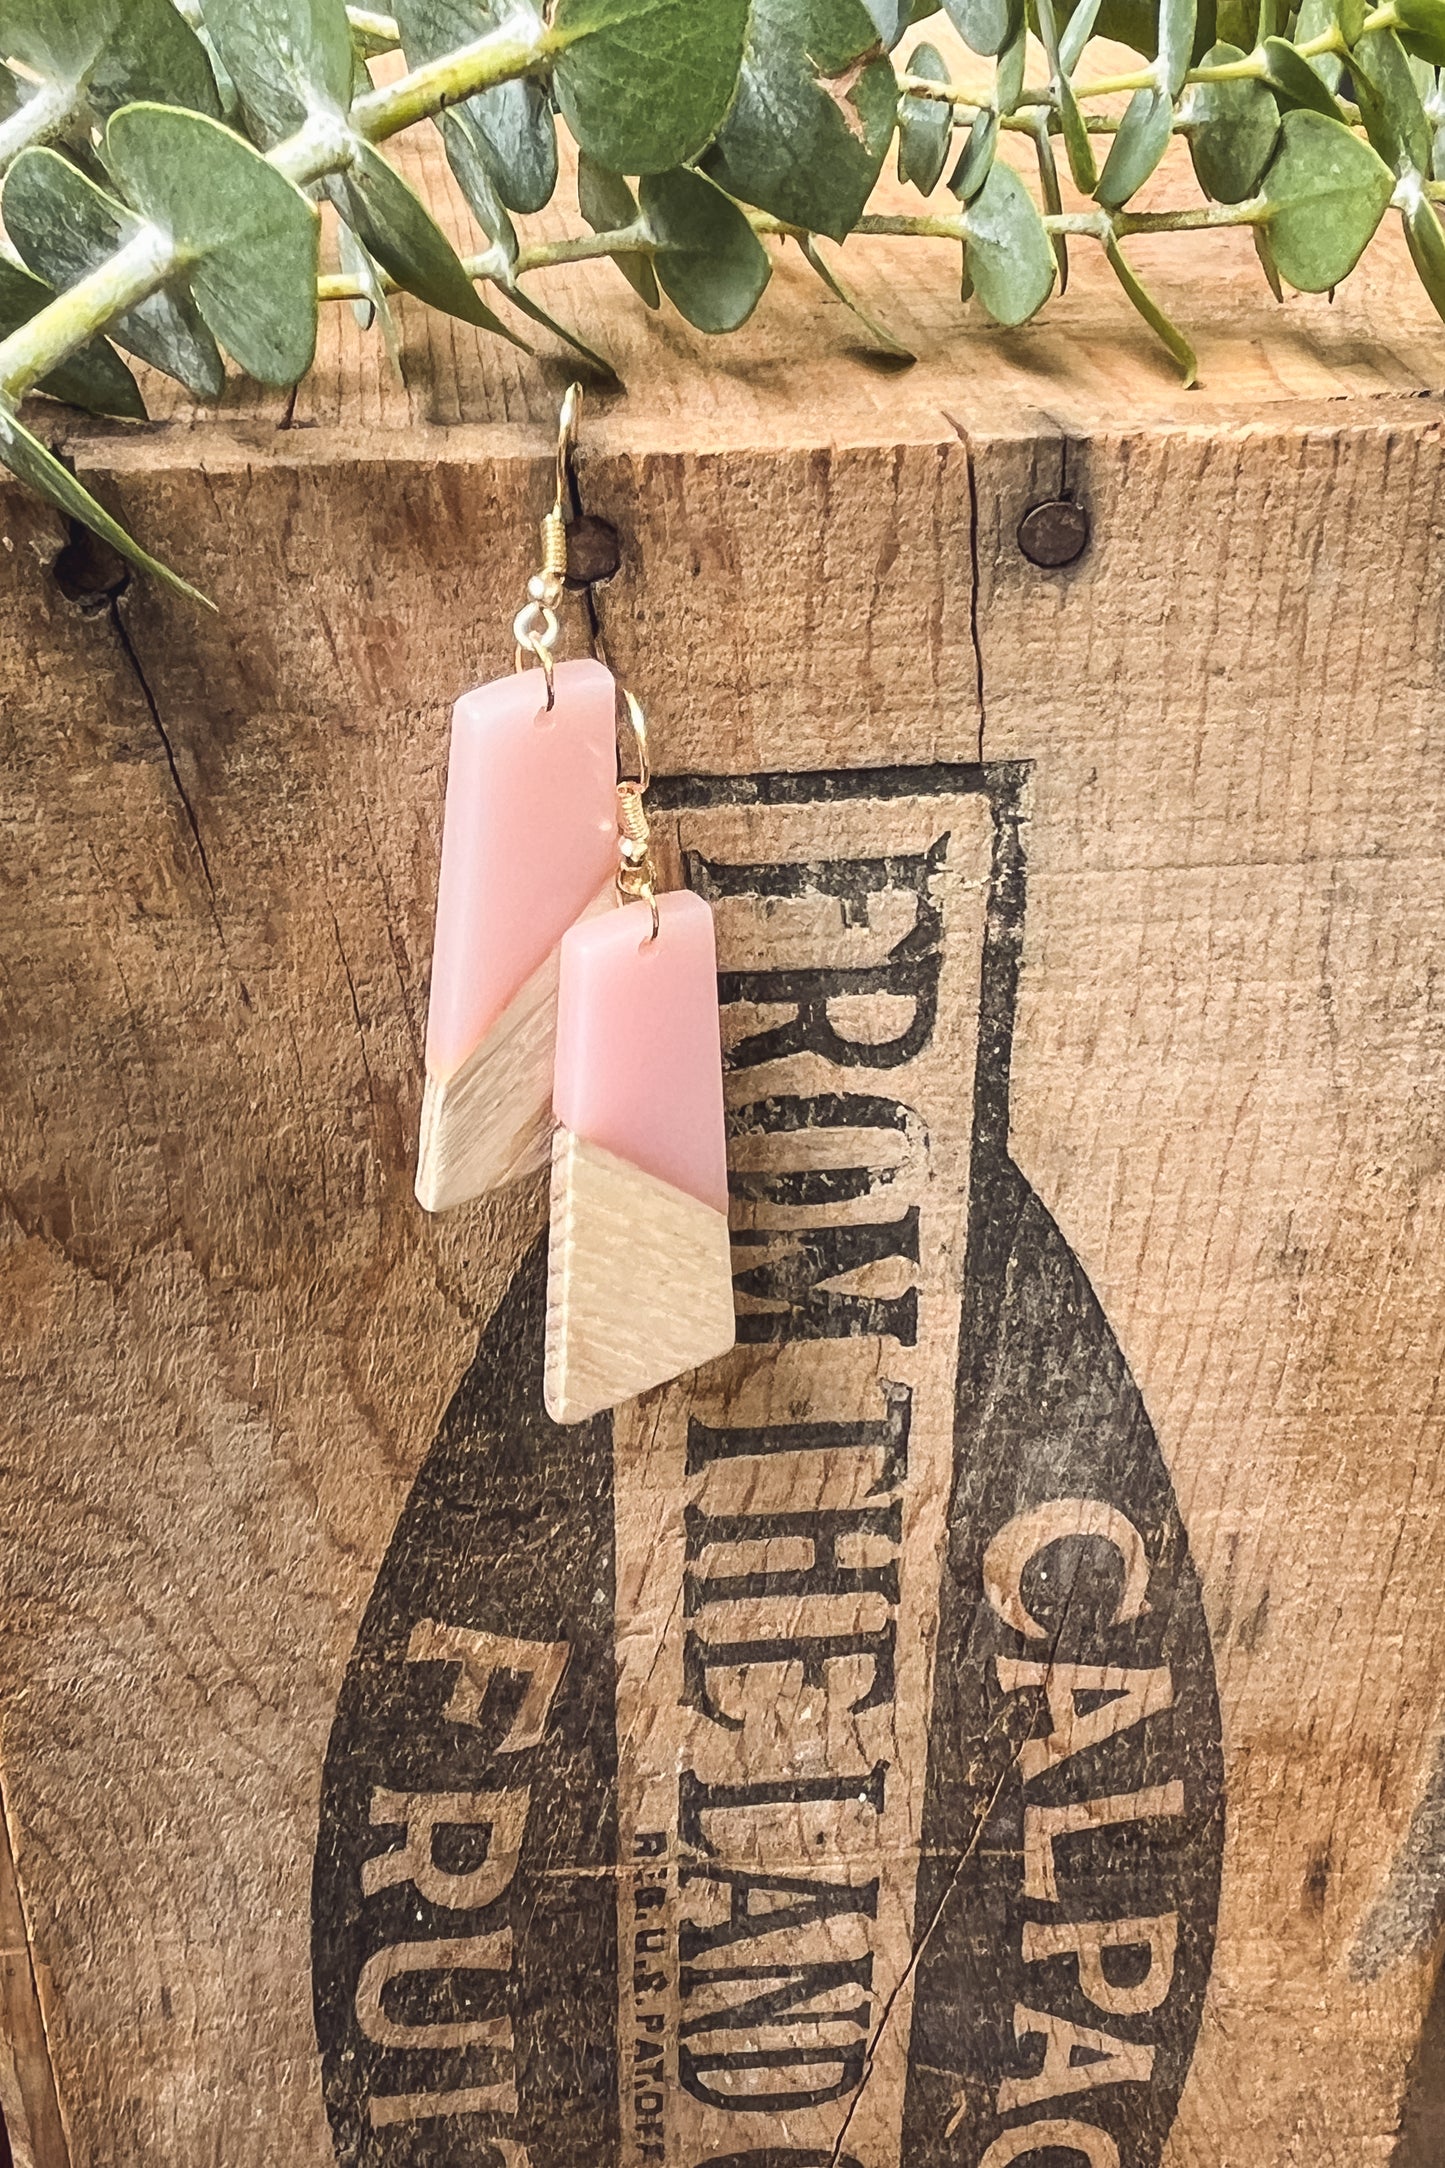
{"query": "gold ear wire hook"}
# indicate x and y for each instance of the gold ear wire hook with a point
(536, 626)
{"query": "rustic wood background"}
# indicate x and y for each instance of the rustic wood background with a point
(229, 1334)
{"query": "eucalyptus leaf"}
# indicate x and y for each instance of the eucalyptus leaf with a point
(878, 332)
(709, 262)
(983, 24)
(1231, 130)
(1389, 102)
(609, 206)
(1427, 249)
(1053, 196)
(1176, 42)
(107, 53)
(66, 227)
(1296, 82)
(93, 376)
(1266, 260)
(1076, 34)
(976, 163)
(814, 114)
(246, 239)
(1325, 193)
(1076, 135)
(1008, 74)
(467, 156)
(644, 84)
(287, 59)
(1422, 28)
(509, 128)
(399, 230)
(521, 299)
(925, 125)
(1315, 19)
(1162, 326)
(1139, 143)
(373, 308)
(1009, 257)
(36, 465)
(891, 18)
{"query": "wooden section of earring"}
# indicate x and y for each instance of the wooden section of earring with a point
(527, 847)
(490, 1122)
(639, 1282)
(640, 1276)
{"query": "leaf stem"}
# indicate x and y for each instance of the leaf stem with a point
(515, 49)
(136, 270)
(40, 116)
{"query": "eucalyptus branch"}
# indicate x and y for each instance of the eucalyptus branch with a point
(222, 116)
(324, 145)
(133, 273)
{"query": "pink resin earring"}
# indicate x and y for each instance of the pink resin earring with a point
(528, 845)
(639, 1285)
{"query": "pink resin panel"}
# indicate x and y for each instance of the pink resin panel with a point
(529, 839)
(639, 1056)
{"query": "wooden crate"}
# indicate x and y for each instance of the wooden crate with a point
(1082, 933)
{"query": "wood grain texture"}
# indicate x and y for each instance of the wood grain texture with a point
(490, 1123)
(229, 1334)
(639, 1282)
(28, 2102)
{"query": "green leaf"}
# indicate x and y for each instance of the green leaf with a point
(983, 24)
(1427, 248)
(891, 18)
(508, 128)
(406, 240)
(286, 58)
(1231, 130)
(522, 300)
(925, 125)
(877, 331)
(374, 308)
(1176, 42)
(1266, 260)
(1008, 74)
(1161, 325)
(1052, 195)
(1009, 257)
(1422, 28)
(814, 114)
(1139, 143)
(709, 262)
(1076, 34)
(93, 377)
(608, 205)
(468, 159)
(1296, 81)
(247, 239)
(111, 52)
(1076, 136)
(976, 162)
(34, 464)
(644, 84)
(1326, 192)
(1390, 104)
(1315, 19)
(65, 228)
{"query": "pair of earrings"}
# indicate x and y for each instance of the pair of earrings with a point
(574, 1011)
